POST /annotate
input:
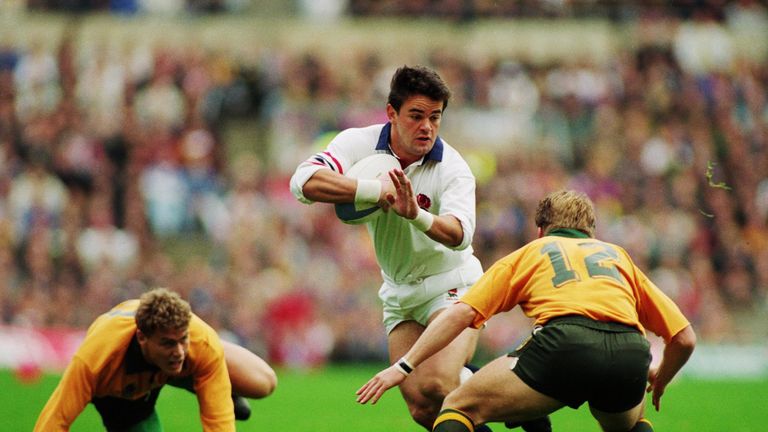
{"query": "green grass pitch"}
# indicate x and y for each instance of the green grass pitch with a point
(324, 401)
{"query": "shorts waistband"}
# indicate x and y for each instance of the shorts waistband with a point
(608, 326)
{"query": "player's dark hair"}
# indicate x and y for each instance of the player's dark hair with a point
(566, 209)
(418, 80)
(161, 309)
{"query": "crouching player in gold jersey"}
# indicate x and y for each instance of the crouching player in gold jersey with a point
(591, 306)
(132, 351)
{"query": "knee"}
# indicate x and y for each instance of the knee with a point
(452, 401)
(256, 385)
(267, 384)
(424, 414)
(425, 407)
(437, 389)
(470, 406)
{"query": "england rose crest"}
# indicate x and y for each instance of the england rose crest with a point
(423, 201)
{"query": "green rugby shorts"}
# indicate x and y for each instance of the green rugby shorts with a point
(129, 415)
(575, 359)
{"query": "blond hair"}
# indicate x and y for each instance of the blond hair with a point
(162, 309)
(566, 209)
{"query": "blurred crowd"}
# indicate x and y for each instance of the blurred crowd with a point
(108, 155)
(453, 10)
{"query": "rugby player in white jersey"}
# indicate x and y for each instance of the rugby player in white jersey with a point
(423, 240)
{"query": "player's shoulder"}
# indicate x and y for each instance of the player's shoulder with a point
(107, 339)
(201, 332)
(354, 144)
(198, 325)
(205, 346)
(451, 158)
(356, 133)
(611, 245)
(121, 315)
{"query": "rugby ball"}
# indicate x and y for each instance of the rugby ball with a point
(368, 168)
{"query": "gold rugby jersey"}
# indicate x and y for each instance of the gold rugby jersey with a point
(109, 363)
(568, 273)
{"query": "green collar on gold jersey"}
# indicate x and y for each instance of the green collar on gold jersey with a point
(567, 232)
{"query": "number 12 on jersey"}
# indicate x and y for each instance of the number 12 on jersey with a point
(601, 263)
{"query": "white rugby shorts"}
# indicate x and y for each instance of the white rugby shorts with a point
(419, 300)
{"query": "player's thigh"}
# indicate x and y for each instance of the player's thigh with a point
(453, 356)
(495, 393)
(440, 373)
(251, 376)
(402, 338)
(618, 422)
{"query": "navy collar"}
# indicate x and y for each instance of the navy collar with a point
(567, 232)
(436, 154)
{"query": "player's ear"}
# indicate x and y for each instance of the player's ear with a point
(391, 112)
(141, 336)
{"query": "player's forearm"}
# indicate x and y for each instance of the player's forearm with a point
(54, 416)
(330, 187)
(440, 332)
(446, 230)
(676, 354)
(214, 395)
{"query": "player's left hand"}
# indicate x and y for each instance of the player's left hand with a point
(403, 201)
(383, 381)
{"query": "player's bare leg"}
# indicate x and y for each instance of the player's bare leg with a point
(251, 376)
(496, 394)
(623, 421)
(425, 389)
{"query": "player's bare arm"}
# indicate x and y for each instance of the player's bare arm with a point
(676, 354)
(443, 229)
(331, 187)
(444, 329)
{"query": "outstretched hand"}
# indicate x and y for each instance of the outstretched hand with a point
(376, 386)
(402, 201)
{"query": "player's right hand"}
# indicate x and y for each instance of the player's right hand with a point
(376, 386)
(655, 386)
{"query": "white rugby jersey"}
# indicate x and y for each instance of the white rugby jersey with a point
(443, 184)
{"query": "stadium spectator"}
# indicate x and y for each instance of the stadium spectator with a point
(133, 350)
(591, 305)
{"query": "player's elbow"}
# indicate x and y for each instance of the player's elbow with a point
(321, 188)
(455, 241)
(311, 190)
(456, 235)
(464, 313)
(685, 340)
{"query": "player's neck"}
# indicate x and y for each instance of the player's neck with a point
(402, 156)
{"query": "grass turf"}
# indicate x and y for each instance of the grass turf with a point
(324, 401)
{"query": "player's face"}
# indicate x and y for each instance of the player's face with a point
(415, 127)
(166, 349)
